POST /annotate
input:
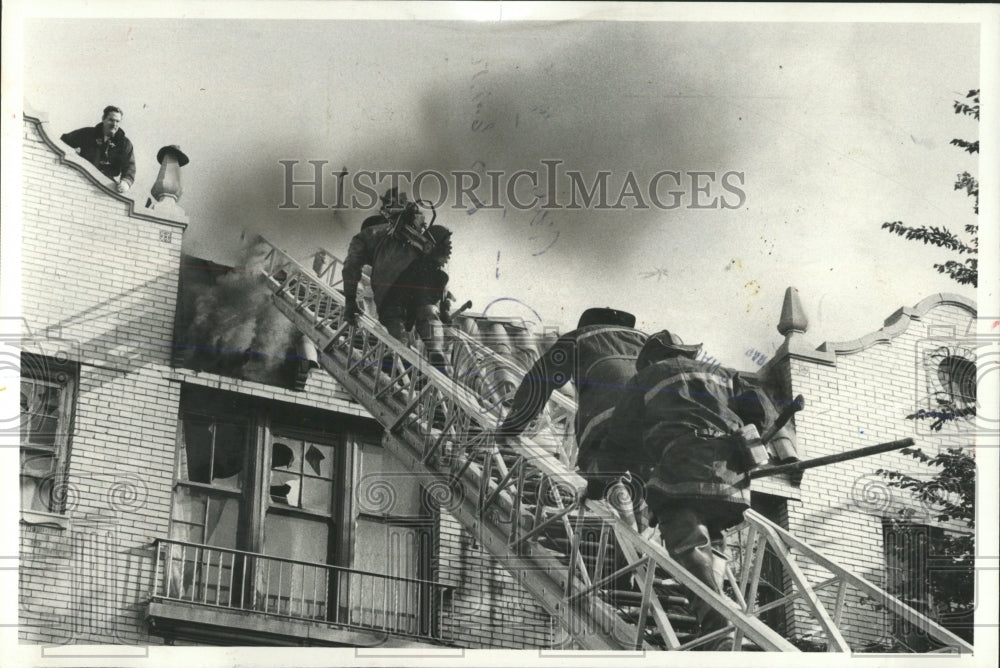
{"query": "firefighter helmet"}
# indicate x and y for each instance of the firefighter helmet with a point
(606, 316)
(664, 345)
(393, 202)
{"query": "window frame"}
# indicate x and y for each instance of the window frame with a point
(425, 521)
(67, 379)
(268, 422)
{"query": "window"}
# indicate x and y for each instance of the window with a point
(210, 471)
(931, 570)
(393, 537)
(957, 378)
(208, 494)
(299, 524)
(262, 503)
(951, 382)
(46, 408)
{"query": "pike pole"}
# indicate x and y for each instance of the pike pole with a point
(866, 451)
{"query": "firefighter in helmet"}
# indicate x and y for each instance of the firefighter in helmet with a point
(408, 280)
(678, 422)
(598, 356)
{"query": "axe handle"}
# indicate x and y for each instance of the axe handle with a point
(791, 409)
(462, 309)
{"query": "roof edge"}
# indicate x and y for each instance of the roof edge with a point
(69, 157)
(898, 323)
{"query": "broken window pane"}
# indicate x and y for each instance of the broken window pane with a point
(216, 446)
(302, 474)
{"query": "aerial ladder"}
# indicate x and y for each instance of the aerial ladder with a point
(608, 586)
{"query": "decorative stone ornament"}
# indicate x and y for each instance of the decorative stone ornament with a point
(793, 316)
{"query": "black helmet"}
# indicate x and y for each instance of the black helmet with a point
(393, 202)
(606, 316)
(664, 345)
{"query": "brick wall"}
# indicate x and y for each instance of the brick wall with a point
(860, 395)
(489, 609)
(101, 277)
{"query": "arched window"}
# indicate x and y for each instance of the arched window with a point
(951, 372)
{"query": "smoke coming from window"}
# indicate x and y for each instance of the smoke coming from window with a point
(228, 325)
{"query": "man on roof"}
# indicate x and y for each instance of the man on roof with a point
(107, 148)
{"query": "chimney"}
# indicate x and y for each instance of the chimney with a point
(167, 190)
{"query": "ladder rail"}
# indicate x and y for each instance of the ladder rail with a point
(296, 291)
(782, 537)
(560, 410)
(295, 298)
(490, 503)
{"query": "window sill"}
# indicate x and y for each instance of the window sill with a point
(50, 520)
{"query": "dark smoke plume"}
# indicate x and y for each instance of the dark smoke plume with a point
(229, 326)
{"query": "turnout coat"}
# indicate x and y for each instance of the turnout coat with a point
(395, 264)
(599, 359)
(673, 426)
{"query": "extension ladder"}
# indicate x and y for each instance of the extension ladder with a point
(608, 587)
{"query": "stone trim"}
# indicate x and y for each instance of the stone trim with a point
(796, 346)
(898, 323)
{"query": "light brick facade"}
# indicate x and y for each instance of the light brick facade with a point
(99, 279)
(100, 284)
(858, 393)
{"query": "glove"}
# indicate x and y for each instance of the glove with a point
(445, 312)
(352, 311)
(123, 186)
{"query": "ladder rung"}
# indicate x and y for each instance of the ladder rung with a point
(313, 306)
(635, 598)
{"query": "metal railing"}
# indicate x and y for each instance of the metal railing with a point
(250, 582)
(512, 499)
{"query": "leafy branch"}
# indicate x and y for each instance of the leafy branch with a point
(967, 271)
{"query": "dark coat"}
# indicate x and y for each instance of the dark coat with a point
(674, 422)
(599, 359)
(114, 158)
(398, 269)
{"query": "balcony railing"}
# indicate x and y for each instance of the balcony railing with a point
(249, 582)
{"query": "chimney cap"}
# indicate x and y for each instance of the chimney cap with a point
(175, 151)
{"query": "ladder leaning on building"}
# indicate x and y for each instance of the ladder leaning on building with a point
(607, 586)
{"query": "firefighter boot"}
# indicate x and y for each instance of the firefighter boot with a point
(715, 621)
(687, 539)
(431, 332)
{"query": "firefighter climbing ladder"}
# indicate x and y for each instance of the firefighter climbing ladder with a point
(609, 587)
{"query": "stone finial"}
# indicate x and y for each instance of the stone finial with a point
(168, 181)
(793, 316)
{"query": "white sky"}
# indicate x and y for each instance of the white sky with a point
(837, 128)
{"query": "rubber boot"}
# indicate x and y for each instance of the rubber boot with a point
(714, 621)
(431, 332)
(687, 539)
(393, 319)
